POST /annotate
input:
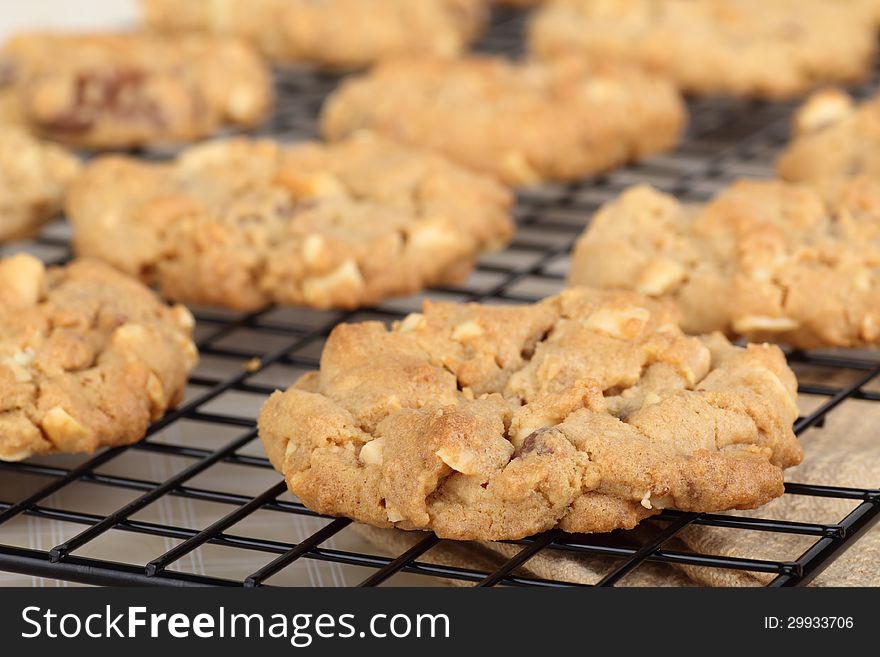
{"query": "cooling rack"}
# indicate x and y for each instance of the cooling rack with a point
(209, 443)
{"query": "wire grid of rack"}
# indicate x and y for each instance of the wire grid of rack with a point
(727, 139)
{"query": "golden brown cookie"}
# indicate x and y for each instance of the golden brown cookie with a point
(517, 3)
(767, 260)
(128, 90)
(88, 357)
(764, 48)
(833, 138)
(244, 223)
(331, 34)
(525, 123)
(33, 177)
(588, 411)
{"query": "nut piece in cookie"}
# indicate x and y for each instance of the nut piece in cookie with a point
(833, 138)
(767, 260)
(331, 34)
(33, 178)
(754, 48)
(588, 411)
(88, 357)
(244, 223)
(128, 89)
(525, 123)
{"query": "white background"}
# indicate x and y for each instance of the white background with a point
(16, 15)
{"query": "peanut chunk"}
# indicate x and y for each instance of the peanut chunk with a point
(753, 323)
(659, 277)
(411, 322)
(466, 330)
(625, 324)
(372, 453)
(516, 167)
(822, 109)
(345, 277)
(66, 433)
(19, 362)
(21, 281)
(156, 394)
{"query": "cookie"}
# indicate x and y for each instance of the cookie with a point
(760, 48)
(588, 411)
(33, 177)
(767, 260)
(525, 123)
(833, 137)
(128, 90)
(244, 223)
(330, 34)
(88, 357)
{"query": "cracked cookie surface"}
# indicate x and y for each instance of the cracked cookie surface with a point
(588, 411)
(768, 260)
(244, 223)
(88, 357)
(833, 137)
(33, 177)
(764, 48)
(127, 90)
(331, 34)
(525, 123)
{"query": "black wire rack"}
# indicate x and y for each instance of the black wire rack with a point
(250, 355)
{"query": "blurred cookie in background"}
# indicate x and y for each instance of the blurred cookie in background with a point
(833, 137)
(34, 175)
(760, 48)
(765, 259)
(333, 34)
(126, 90)
(525, 123)
(244, 223)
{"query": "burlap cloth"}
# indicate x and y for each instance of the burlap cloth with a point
(845, 452)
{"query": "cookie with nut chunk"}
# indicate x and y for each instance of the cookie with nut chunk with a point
(767, 260)
(588, 411)
(330, 34)
(33, 178)
(756, 48)
(833, 137)
(113, 91)
(525, 123)
(88, 357)
(244, 223)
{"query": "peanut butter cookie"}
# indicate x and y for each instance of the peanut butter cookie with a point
(127, 90)
(525, 123)
(833, 138)
(88, 357)
(330, 34)
(767, 260)
(33, 177)
(244, 223)
(589, 411)
(763, 48)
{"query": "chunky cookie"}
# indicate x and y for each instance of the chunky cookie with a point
(833, 138)
(525, 123)
(588, 411)
(331, 34)
(88, 357)
(768, 260)
(33, 177)
(244, 223)
(128, 90)
(764, 48)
